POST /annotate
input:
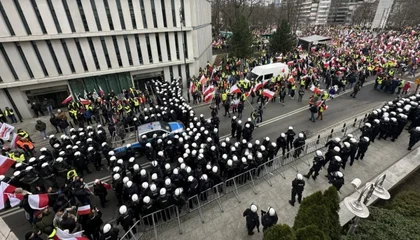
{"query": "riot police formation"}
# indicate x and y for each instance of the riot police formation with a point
(192, 162)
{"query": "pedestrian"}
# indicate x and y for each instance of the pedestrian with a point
(356, 89)
(301, 93)
(313, 109)
(54, 121)
(47, 104)
(252, 219)
(260, 112)
(269, 218)
(8, 112)
(37, 109)
(290, 136)
(414, 137)
(298, 184)
(41, 127)
(321, 109)
(318, 162)
(100, 190)
(282, 95)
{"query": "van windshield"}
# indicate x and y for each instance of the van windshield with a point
(251, 76)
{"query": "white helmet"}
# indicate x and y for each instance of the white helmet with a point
(337, 149)
(116, 176)
(318, 153)
(290, 128)
(106, 228)
(154, 176)
(253, 208)
(339, 174)
(204, 177)
(347, 144)
(131, 160)
(125, 180)
(301, 135)
(271, 211)
(178, 191)
(129, 184)
(337, 139)
(337, 158)
(168, 181)
(162, 191)
(123, 209)
(145, 185)
(146, 199)
(299, 176)
(153, 187)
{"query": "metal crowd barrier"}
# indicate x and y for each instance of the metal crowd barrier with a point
(232, 185)
(198, 201)
(160, 220)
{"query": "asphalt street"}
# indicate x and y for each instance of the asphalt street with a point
(276, 119)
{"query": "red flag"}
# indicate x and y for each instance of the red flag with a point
(192, 87)
(38, 201)
(101, 92)
(249, 92)
(83, 210)
(4, 189)
(65, 235)
(15, 199)
(209, 97)
(203, 80)
(258, 86)
(5, 164)
(67, 100)
(234, 89)
(268, 94)
(290, 63)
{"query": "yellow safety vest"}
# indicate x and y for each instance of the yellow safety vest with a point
(127, 109)
(273, 79)
(293, 87)
(8, 113)
(379, 80)
(402, 83)
(136, 102)
(224, 97)
(23, 134)
(120, 107)
(52, 234)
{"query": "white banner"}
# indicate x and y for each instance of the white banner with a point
(5, 131)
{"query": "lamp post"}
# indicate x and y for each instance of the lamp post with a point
(357, 206)
(182, 21)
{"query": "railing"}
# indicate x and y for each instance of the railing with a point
(218, 194)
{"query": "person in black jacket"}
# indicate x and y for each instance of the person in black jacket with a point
(281, 143)
(252, 219)
(93, 224)
(100, 191)
(126, 220)
(318, 162)
(298, 185)
(290, 136)
(269, 218)
(363, 147)
(239, 130)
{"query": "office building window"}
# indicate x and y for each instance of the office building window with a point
(179, 71)
(81, 55)
(171, 72)
(152, 2)
(120, 14)
(108, 15)
(22, 16)
(176, 45)
(38, 55)
(68, 56)
(133, 16)
(66, 8)
(95, 13)
(149, 48)
(168, 46)
(52, 52)
(95, 57)
(158, 47)
(173, 12)
(139, 49)
(25, 61)
(38, 16)
(6, 20)
(9, 63)
(187, 70)
(162, 3)
(127, 48)
(82, 15)
(117, 50)
(185, 46)
(183, 10)
(54, 15)
(108, 61)
(143, 14)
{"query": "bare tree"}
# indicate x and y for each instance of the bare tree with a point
(364, 13)
(404, 13)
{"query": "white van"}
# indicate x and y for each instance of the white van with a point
(265, 72)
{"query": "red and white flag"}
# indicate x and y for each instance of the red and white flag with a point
(67, 100)
(83, 210)
(5, 164)
(15, 198)
(192, 87)
(101, 91)
(268, 94)
(315, 89)
(290, 63)
(209, 97)
(84, 101)
(5, 131)
(209, 90)
(5, 188)
(249, 92)
(234, 89)
(38, 201)
(203, 81)
(65, 235)
(14, 140)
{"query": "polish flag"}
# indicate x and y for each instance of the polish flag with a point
(84, 101)
(101, 91)
(192, 87)
(268, 94)
(208, 97)
(5, 188)
(5, 131)
(15, 198)
(65, 235)
(300, 48)
(234, 89)
(250, 91)
(343, 69)
(67, 100)
(209, 90)
(290, 63)
(203, 80)
(315, 89)
(83, 210)
(5, 164)
(38, 201)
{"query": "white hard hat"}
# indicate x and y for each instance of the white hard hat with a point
(337, 139)
(145, 185)
(153, 187)
(106, 228)
(135, 197)
(190, 178)
(253, 208)
(45, 164)
(347, 144)
(178, 191)
(168, 181)
(126, 179)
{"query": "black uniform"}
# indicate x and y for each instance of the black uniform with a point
(252, 221)
(318, 162)
(363, 147)
(267, 220)
(297, 189)
(414, 138)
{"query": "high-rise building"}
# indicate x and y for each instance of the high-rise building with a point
(50, 48)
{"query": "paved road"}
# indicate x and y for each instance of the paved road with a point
(277, 119)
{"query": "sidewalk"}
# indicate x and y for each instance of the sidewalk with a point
(231, 225)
